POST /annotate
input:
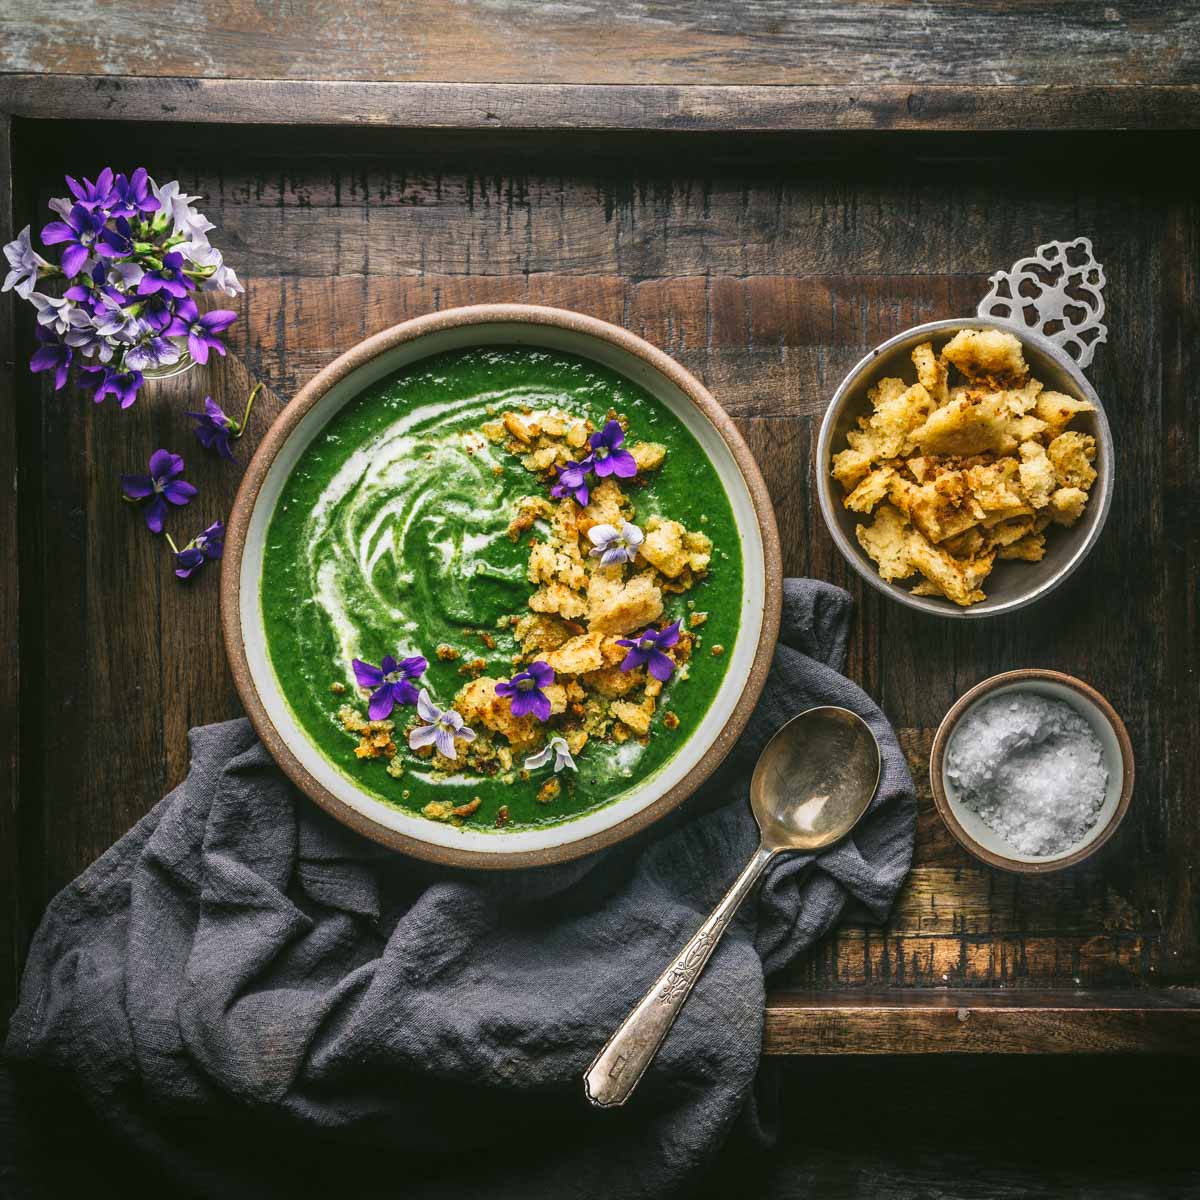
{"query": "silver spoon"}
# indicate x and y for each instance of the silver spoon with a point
(813, 781)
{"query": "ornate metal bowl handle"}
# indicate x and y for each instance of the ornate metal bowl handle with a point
(1057, 292)
(615, 1071)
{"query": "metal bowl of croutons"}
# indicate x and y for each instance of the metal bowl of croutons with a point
(965, 467)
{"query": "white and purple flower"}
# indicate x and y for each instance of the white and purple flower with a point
(612, 545)
(159, 487)
(390, 683)
(25, 266)
(555, 748)
(647, 650)
(441, 728)
(524, 691)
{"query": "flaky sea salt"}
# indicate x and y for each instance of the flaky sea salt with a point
(1032, 768)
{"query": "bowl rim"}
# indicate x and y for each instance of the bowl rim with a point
(946, 809)
(282, 428)
(853, 554)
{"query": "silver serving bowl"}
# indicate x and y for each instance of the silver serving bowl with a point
(1011, 585)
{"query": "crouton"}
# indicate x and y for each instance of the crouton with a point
(1036, 473)
(1072, 454)
(972, 424)
(579, 655)
(648, 455)
(1058, 410)
(986, 353)
(886, 541)
(632, 606)
(1067, 504)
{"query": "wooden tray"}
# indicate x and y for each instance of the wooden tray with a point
(766, 237)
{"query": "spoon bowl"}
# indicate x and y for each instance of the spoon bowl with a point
(814, 779)
(813, 782)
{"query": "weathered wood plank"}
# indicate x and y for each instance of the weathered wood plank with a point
(957, 1022)
(667, 108)
(664, 41)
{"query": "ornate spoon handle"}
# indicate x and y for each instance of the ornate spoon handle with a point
(616, 1070)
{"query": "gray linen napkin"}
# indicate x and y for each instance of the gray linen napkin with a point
(240, 958)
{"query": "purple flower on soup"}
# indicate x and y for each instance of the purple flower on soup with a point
(389, 683)
(80, 234)
(89, 195)
(612, 545)
(647, 650)
(52, 355)
(608, 458)
(572, 481)
(204, 547)
(201, 328)
(160, 487)
(152, 351)
(525, 691)
(168, 278)
(132, 197)
(214, 430)
(123, 385)
(440, 728)
(25, 265)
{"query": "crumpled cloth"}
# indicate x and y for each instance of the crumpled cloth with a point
(241, 962)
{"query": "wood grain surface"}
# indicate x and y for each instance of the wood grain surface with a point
(614, 41)
(767, 265)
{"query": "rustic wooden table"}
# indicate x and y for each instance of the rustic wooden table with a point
(766, 196)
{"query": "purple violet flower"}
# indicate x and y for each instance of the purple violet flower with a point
(82, 233)
(169, 278)
(525, 690)
(440, 728)
(204, 547)
(647, 650)
(91, 195)
(201, 328)
(389, 683)
(572, 481)
(160, 487)
(131, 197)
(215, 429)
(52, 355)
(123, 385)
(607, 456)
(25, 266)
(612, 545)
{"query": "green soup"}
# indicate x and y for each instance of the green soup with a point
(390, 537)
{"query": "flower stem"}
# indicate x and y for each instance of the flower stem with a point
(249, 405)
(171, 543)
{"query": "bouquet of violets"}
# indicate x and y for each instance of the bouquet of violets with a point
(134, 257)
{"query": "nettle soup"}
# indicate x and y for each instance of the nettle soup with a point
(501, 587)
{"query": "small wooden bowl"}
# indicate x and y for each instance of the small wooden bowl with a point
(969, 829)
